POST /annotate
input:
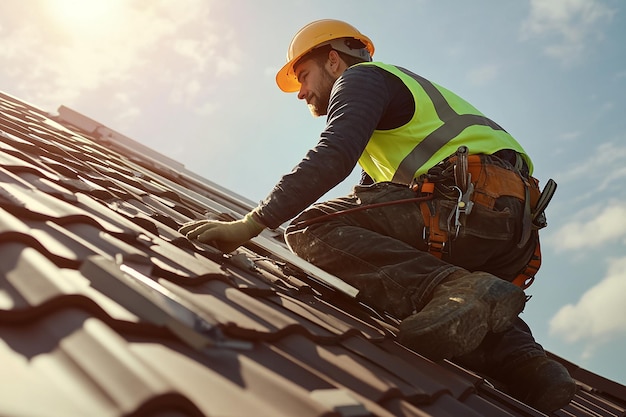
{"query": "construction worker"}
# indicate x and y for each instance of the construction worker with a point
(419, 237)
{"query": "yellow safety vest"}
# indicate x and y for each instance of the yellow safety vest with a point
(441, 123)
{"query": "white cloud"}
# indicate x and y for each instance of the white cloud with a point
(574, 22)
(128, 110)
(270, 71)
(605, 161)
(484, 74)
(59, 57)
(570, 136)
(205, 108)
(598, 316)
(597, 227)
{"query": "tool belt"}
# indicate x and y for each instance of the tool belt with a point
(472, 180)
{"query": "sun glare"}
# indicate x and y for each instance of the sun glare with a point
(85, 15)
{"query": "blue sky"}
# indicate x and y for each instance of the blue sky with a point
(194, 80)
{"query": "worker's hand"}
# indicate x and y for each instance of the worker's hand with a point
(225, 236)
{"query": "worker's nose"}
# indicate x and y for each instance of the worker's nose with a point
(302, 93)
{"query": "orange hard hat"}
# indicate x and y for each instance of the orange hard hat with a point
(313, 35)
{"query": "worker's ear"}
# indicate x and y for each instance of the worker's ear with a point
(335, 63)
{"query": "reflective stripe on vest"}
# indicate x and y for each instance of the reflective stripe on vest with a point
(401, 154)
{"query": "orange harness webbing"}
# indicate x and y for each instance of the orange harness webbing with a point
(490, 183)
(527, 276)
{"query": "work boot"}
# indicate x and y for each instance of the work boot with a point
(464, 307)
(542, 383)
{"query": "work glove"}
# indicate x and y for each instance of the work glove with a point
(225, 236)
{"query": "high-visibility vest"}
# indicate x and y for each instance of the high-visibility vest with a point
(441, 123)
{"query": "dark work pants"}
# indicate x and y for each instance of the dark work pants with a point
(383, 253)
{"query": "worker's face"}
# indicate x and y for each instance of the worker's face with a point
(316, 81)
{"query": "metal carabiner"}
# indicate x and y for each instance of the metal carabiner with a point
(456, 213)
(464, 205)
(461, 168)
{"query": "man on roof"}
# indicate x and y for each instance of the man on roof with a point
(442, 226)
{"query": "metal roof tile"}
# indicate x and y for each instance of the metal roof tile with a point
(106, 310)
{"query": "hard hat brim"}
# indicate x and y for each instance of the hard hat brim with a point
(286, 77)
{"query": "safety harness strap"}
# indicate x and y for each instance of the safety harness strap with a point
(493, 182)
(434, 236)
(527, 276)
(490, 183)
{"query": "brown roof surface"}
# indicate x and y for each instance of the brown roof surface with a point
(106, 310)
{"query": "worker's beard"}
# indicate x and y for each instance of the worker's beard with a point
(318, 103)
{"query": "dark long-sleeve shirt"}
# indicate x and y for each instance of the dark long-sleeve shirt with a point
(363, 99)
